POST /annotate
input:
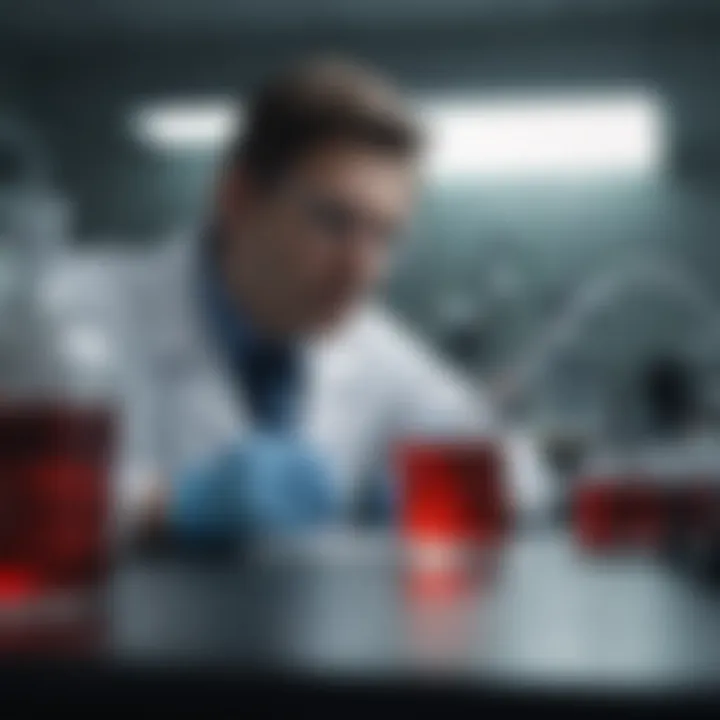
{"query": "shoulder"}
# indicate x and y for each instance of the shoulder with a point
(376, 332)
(412, 374)
(382, 339)
(158, 272)
(156, 294)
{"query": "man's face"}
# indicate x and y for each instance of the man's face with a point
(307, 250)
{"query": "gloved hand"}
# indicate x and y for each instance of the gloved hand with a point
(263, 485)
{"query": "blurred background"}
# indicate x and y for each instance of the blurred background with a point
(572, 179)
(565, 251)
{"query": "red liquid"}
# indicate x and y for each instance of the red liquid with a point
(452, 491)
(594, 514)
(643, 519)
(54, 467)
(620, 512)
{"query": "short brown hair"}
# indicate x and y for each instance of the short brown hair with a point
(320, 101)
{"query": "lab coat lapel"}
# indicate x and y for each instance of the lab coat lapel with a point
(206, 408)
(200, 396)
(335, 409)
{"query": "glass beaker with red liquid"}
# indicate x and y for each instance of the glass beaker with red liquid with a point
(620, 510)
(453, 491)
(55, 464)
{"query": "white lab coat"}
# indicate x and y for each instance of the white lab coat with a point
(370, 382)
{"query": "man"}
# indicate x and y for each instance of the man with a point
(263, 390)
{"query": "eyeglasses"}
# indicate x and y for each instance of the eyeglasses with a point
(337, 219)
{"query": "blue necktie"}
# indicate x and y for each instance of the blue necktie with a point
(271, 378)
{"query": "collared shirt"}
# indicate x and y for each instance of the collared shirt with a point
(268, 373)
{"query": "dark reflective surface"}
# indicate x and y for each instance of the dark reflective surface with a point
(544, 614)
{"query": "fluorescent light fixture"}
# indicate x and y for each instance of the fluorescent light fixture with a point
(198, 125)
(536, 136)
(548, 136)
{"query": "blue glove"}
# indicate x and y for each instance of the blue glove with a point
(265, 485)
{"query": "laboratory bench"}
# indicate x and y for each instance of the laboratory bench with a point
(537, 621)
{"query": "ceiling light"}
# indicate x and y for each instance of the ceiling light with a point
(546, 136)
(199, 125)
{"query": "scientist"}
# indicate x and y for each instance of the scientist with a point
(263, 389)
